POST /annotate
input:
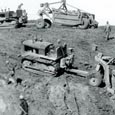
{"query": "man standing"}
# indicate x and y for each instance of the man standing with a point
(11, 74)
(67, 62)
(23, 105)
(107, 30)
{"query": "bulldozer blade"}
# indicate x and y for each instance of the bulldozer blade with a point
(78, 72)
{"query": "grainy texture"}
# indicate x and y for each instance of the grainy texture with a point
(64, 95)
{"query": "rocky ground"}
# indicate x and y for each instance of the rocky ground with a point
(47, 95)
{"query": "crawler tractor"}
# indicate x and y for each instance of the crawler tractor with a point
(38, 55)
(11, 19)
(63, 16)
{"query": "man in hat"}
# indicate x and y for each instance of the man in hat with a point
(11, 74)
(23, 105)
(70, 58)
(107, 30)
(67, 61)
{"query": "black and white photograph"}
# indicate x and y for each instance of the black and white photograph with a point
(57, 57)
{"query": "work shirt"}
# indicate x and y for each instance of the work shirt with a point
(24, 106)
(108, 28)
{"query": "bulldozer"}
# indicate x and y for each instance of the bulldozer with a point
(12, 19)
(40, 56)
(62, 16)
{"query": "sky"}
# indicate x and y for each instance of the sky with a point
(103, 9)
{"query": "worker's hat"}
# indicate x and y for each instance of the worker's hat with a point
(7, 62)
(21, 96)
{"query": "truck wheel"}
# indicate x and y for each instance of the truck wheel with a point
(85, 23)
(47, 23)
(95, 82)
(40, 23)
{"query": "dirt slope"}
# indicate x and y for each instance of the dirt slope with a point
(47, 95)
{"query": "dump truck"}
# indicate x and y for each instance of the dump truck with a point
(12, 19)
(40, 56)
(62, 16)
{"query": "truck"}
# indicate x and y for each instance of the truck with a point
(62, 16)
(13, 19)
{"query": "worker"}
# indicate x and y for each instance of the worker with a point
(107, 30)
(60, 49)
(5, 10)
(23, 105)
(1, 10)
(24, 13)
(11, 73)
(67, 62)
(11, 67)
(8, 9)
(70, 58)
(65, 49)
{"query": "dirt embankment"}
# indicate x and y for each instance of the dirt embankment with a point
(64, 95)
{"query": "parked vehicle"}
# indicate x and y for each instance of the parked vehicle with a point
(13, 19)
(63, 16)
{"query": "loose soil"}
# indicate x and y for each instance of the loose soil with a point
(47, 95)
